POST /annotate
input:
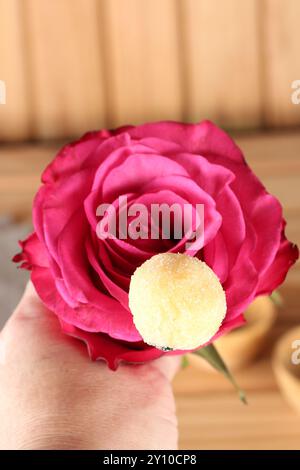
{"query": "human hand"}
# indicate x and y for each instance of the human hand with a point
(53, 397)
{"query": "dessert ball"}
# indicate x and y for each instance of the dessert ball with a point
(177, 301)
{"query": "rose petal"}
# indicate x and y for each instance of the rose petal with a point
(204, 138)
(101, 346)
(286, 256)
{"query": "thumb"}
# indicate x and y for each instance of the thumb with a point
(30, 305)
(32, 329)
(30, 315)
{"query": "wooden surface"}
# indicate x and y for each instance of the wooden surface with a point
(210, 415)
(72, 65)
(280, 39)
(216, 57)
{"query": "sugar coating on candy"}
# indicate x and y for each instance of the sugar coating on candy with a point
(176, 301)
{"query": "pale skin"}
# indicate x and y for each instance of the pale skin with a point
(53, 397)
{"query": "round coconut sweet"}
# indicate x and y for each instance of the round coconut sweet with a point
(177, 301)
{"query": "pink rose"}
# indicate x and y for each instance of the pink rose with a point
(85, 280)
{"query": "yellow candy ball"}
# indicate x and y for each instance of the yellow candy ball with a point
(177, 301)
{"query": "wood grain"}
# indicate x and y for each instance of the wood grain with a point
(74, 65)
(216, 420)
(222, 61)
(282, 60)
(142, 61)
(66, 67)
(20, 172)
(15, 114)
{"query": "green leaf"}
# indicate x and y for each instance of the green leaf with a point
(211, 355)
(184, 361)
(276, 298)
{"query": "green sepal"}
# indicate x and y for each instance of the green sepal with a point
(211, 355)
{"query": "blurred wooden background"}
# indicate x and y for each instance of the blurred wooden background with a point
(73, 65)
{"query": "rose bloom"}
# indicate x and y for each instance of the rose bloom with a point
(85, 280)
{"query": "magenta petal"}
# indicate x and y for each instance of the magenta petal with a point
(37, 210)
(240, 294)
(115, 151)
(134, 254)
(75, 156)
(266, 220)
(233, 228)
(74, 263)
(116, 323)
(161, 146)
(216, 256)
(210, 177)
(120, 260)
(33, 253)
(112, 270)
(194, 194)
(101, 346)
(64, 200)
(115, 291)
(168, 197)
(286, 256)
(204, 138)
(135, 172)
